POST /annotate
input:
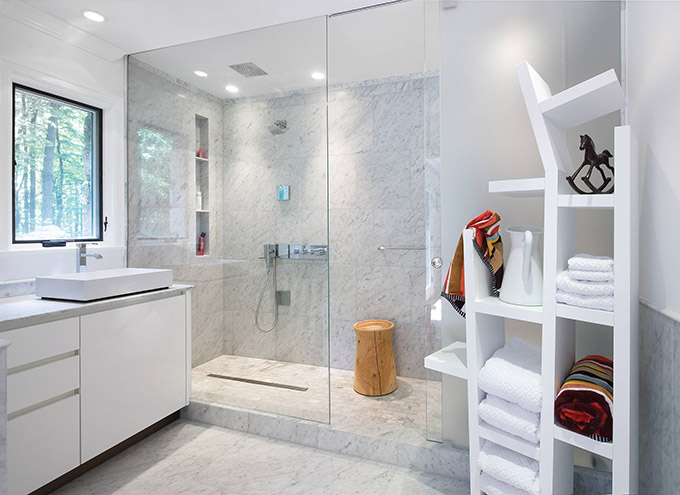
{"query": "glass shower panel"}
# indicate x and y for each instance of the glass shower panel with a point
(384, 205)
(227, 186)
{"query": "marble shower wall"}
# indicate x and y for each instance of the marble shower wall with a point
(256, 163)
(384, 159)
(162, 194)
(380, 169)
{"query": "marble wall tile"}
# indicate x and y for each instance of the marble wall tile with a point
(377, 177)
(162, 223)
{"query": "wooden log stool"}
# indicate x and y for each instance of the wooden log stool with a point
(374, 372)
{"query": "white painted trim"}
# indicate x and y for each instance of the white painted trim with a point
(61, 30)
(673, 315)
(113, 127)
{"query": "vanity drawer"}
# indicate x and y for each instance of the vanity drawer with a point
(30, 344)
(35, 385)
(42, 445)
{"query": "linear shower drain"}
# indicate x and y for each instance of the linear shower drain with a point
(259, 382)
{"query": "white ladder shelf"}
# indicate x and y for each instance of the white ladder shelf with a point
(550, 117)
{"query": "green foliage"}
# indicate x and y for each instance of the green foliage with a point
(155, 155)
(72, 168)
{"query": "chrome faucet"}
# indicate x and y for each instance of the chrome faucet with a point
(82, 255)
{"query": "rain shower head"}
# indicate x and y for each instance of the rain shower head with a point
(278, 127)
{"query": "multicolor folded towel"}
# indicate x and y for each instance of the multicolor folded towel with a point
(585, 401)
(489, 246)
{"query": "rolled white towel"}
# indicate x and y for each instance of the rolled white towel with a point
(566, 284)
(590, 263)
(605, 303)
(511, 418)
(591, 276)
(510, 467)
(513, 373)
(491, 486)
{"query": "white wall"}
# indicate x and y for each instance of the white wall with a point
(653, 88)
(41, 60)
(485, 130)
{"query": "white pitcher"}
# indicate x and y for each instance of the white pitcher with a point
(523, 274)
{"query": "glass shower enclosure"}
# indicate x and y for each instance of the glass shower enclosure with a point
(227, 171)
(291, 175)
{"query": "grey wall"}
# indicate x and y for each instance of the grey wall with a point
(654, 114)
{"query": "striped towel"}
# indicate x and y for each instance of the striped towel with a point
(585, 401)
(489, 246)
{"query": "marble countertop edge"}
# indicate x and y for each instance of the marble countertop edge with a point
(24, 311)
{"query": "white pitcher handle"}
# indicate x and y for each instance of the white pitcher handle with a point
(527, 246)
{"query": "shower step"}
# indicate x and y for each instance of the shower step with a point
(427, 457)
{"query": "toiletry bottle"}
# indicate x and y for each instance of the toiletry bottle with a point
(199, 200)
(201, 244)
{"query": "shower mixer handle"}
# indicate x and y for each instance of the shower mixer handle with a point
(303, 251)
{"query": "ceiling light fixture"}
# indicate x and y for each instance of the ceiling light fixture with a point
(94, 16)
(318, 76)
(200, 73)
(232, 89)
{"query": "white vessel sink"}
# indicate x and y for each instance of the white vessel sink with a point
(101, 284)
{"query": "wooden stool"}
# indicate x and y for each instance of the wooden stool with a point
(374, 372)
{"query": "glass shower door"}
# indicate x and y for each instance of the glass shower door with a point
(228, 172)
(383, 110)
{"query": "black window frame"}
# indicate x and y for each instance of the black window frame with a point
(100, 159)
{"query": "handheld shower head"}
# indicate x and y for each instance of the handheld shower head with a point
(278, 127)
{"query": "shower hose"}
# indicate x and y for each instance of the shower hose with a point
(271, 267)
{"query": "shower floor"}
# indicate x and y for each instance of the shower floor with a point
(400, 416)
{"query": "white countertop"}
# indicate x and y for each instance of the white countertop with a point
(23, 311)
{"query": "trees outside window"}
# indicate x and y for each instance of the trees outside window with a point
(57, 168)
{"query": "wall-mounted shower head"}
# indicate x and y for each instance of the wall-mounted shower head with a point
(278, 127)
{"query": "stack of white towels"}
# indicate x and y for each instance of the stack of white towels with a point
(588, 283)
(511, 379)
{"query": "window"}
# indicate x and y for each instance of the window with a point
(57, 173)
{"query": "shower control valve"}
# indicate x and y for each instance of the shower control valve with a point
(307, 251)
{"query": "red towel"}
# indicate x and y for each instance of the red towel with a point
(585, 400)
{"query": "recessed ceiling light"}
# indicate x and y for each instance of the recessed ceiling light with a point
(200, 73)
(94, 16)
(232, 89)
(318, 75)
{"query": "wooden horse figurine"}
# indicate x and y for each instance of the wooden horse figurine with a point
(594, 161)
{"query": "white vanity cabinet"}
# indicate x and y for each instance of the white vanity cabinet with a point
(133, 370)
(43, 404)
(84, 377)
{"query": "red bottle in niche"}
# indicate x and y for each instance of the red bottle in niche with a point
(201, 244)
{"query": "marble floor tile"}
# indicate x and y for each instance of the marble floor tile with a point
(191, 458)
(400, 416)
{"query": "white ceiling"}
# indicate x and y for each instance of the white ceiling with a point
(181, 36)
(372, 44)
(139, 25)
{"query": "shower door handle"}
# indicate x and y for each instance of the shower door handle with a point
(436, 262)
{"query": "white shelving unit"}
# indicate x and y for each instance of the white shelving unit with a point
(550, 117)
